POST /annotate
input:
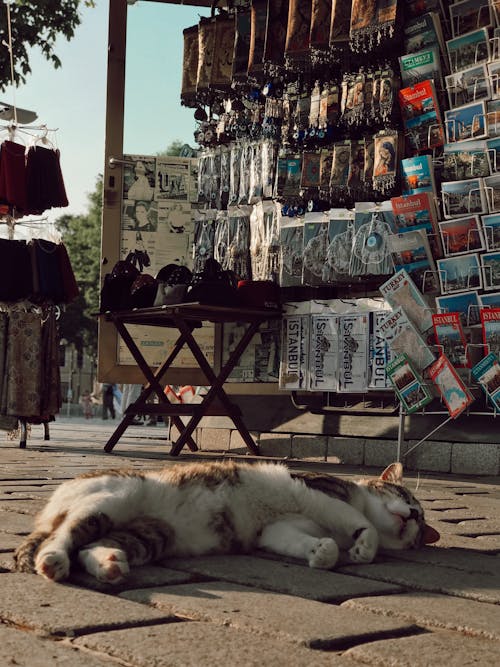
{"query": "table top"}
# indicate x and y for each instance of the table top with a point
(193, 312)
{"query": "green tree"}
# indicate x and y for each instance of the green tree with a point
(35, 23)
(82, 238)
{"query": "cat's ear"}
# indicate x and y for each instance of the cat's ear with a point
(393, 474)
(430, 535)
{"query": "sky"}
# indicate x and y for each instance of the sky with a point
(73, 97)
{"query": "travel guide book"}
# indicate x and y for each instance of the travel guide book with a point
(421, 65)
(408, 384)
(418, 175)
(421, 116)
(411, 251)
(418, 212)
(490, 324)
(451, 339)
(379, 353)
(400, 290)
(423, 32)
(487, 374)
(403, 337)
(453, 391)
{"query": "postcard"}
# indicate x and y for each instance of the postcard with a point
(490, 263)
(469, 85)
(490, 300)
(490, 324)
(451, 339)
(492, 190)
(457, 274)
(494, 75)
(493, 152)
(411, 251)
(453, 391)
(466, 303)
(461, 235)
(467, 15)
(466, 122)
(408, 385)
(418, 212)
(465, 159)
(470, 49)
(493, 118)
(487, 374)
(461, 198)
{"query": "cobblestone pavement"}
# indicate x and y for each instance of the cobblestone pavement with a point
(436, 606)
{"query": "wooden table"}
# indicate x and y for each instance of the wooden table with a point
(185, 318)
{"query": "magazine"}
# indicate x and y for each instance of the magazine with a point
(408, 384)
(453, 391)
(468, 85)
(323, 352)
(462, 198)
(418, 175)
(353, 347)
(490, 263)
(461, 235)
(403, 337)
(422, 32)
(400, 290)
(451, 339)
(490, 324)
(466, 122)
(470, 49)
(421, 116)
(411, 251)
(467, 15)
(487, 374)
(457, 274)
(418, 212)
(467, 304)
(421, 65)
(379, 354)
(465, 159)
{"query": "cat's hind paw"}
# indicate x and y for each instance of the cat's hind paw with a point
(365, 547)
(107, 564)
(324, 554)
(53, 565)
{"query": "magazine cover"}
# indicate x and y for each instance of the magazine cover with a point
(379, 354)
(324, 352)
(490, 263)
(418, 212)
(408, 384)
(487, 374)
(451, 338)
(490, 324)
(291, 248)
(411, 251)
(400, 290)
(467, 15)
(418, 175)
(453, 391)
(465, 159)
(294, 351)
(353, 347)
(421, 65)
(421, 116)
(461, 235)
(457, 274)
(490, 300)
(469, 85)
(403, 337)
(467, 304)
(470, 49)
(461, 198)
(466, 122)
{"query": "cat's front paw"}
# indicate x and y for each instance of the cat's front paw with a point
(106, 564)
(324, 554)
(365, 547)
(52, 564)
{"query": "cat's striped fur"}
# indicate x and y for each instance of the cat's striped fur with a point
(111, 520)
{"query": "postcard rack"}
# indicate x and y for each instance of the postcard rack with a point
(369, 403)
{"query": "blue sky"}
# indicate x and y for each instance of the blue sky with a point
(73, 98)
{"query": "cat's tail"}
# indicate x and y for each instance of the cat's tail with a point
(24, 555)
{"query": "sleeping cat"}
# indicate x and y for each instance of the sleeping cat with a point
(110, 520)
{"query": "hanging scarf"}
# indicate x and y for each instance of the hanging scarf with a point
(24, 364)
(321, 11)
(241, 45)
(340, 21)
(258, 22)
(274, 51)
(190, 66)
(206, 45)
(51, 398)
(371, 22)
(298, 29)
(222, 68)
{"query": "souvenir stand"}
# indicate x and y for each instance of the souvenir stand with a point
(348, 152)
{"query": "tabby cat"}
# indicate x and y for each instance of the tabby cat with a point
(113, 519)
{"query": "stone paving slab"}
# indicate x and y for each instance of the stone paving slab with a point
(435, 611)
(15, 523)
(437, 648)
(482, 543)
(138, 577)
(432, 578)
(27, 600)
(312, 624)
(9, 542)
(283, 577)
(196, 644)
(459, 559)
(19, 648)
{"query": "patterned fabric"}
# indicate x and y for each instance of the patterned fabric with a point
(276, 31)
(298, 29)
(190, 64)
(24, 364)
(7, 423)
(222, 69)
(206, 45)
(50, 391)
(321, 11)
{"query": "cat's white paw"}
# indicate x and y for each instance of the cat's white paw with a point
(324, 554)
(365, 547)
(106, 564)
(52, 564)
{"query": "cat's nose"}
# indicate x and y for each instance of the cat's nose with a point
(413, 514)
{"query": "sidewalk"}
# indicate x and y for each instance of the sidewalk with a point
(436, 606)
